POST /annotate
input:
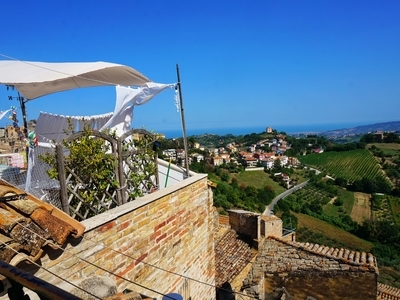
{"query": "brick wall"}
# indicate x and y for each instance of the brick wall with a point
(171, 229)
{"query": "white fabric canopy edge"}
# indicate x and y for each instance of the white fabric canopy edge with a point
(36, 79)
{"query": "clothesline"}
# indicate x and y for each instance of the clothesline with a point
(52, 126)
(80, 117)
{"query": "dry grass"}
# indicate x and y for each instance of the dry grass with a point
(362, 207)
(386, 146)
(351, 241)
(332, 200)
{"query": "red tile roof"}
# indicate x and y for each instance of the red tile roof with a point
(231, 256)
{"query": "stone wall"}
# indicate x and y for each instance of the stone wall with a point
(145, 245)
(304, 274)
(270, 226)
(245, 223)
(337, 285)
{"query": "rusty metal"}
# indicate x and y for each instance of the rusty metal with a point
(19, 278)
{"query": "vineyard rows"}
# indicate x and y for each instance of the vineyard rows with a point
(350, 165)
(388, 210)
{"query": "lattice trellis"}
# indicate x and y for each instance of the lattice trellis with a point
(139, 165)
(79, 207)
(130, 165)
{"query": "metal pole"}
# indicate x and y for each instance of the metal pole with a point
(23, 110)
(19, 278)
(183, 122)
(61, 178)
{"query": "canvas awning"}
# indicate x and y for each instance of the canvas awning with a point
(36, 79)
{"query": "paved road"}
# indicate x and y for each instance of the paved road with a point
(270, 208)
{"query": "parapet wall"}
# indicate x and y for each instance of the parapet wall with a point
(145, 245)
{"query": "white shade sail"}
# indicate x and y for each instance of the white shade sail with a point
(36, 79)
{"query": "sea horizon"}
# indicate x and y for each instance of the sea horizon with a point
(289, 129)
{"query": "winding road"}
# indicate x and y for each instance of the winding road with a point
(270, 208)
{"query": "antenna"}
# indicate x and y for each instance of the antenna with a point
(22, 102)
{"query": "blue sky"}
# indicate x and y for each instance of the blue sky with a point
(242, 63)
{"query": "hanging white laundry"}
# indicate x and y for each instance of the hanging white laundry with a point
(127, 98)
(51, 127)
(101, 120)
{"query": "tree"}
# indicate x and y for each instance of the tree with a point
(266, 195)
(91, 163)
(391, 137)
(277, 165)
(338, 201)
(198, 167)
(339, 181)
(91, 169)
(191, 141)
(225, 175)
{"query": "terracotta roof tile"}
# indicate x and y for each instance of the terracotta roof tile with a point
(27, 224)
(351, 257)
(8, 220)
(386, 292)
(231, 256)
(57, 228)
(354, 259)
(30, 236)
(8, 247)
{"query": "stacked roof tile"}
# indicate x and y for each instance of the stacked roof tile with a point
(354, 258)
(386, 292)
(27, 224)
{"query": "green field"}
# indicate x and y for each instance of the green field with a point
(395, 205)
(348, 201)
(258, 179)
(387, 148)
(350, 165)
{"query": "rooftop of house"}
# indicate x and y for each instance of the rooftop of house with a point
(348, 259)
(386, 292)
(27, 224)
(231, 256)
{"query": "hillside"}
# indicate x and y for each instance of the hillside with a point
(350, 165)
(210, 140)
(359, 209)
(358, 130)
(313, 230)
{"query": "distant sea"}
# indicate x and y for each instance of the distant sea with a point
(289, 129)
